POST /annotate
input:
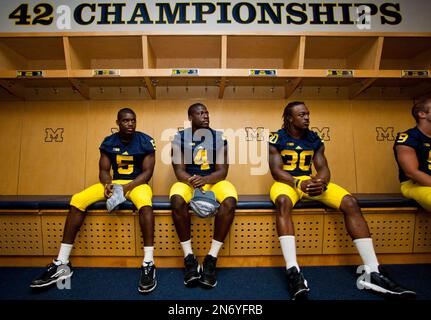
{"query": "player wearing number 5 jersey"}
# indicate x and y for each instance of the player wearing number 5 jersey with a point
(292, 151)
(130, 154)
(413, 155)
(199, 159)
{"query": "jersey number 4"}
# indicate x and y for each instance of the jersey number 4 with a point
(294, 159)
(201, 159)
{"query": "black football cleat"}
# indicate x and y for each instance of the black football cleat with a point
(191, 270)
(147, 281)
(208, 273)
(296, 284)
(381, 283)
(55, 272)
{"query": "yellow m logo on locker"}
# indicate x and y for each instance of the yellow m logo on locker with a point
(54, 135)
(254, 134)
(385, 134)
(323, 133)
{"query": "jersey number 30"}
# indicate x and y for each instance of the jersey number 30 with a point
(293, 156)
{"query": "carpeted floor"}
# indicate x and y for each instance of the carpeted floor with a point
(326, 283)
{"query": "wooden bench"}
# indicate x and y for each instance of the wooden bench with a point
(32, 228)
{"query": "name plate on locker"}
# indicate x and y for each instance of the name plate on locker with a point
(29, 74)
(185, 72)
(340, 73)
(415, 73)
(262, 72)
(106, 72)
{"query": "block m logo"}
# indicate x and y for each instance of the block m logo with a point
(54, 135)
(323, 133)
(254, 134)
(385, 134)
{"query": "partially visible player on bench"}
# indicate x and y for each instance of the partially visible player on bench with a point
(131, 154)
(413, 155)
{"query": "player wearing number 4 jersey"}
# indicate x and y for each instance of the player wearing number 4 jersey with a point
(413, 155)
(292, 151)
(199, 159)
(130, 154)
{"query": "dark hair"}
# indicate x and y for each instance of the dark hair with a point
(288, 112)
(194, 106)
(420, 106)
(123, 111)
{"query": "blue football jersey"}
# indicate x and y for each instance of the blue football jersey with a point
(297, 154)
(126, 160)
(199, 151)
(415, 139)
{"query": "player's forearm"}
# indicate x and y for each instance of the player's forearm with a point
(324, 175)
(182, 175)
(216, 176)
(420, 178)
(283, 176)
(105, 177)
(143, 178)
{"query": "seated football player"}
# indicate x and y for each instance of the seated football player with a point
(199, 159)
(292, 151)
(131, 155)
(413, 153)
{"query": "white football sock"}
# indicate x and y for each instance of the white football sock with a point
(148, 255)
(288, 246)
(64, 253)
(187, 247)
(366, 251)
(215, 248)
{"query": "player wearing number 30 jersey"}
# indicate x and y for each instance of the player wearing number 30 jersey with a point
(412, 150)
(292, 151)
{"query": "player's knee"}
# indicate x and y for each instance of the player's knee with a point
(146, 210)
(349, 204)
(284, 203)
(178, 204)
(229, 203)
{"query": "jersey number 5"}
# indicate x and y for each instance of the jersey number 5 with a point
(125, 164)
(292, 162)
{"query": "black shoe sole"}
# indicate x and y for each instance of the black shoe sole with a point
(52, 282)
(207, 284)
(148, 290)
(192, 282)
(301, 294)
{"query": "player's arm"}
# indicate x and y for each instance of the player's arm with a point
(220, 173)
(147, 172)
(408, 161)
(105, 173)
(179, 165)
(311, 187)
(321, 165)
(276, 167)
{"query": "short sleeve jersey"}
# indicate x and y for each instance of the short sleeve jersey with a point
(126, 159)
(198, 150)
(297, 154)
(421, 143)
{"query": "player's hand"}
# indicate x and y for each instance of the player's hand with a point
(109, 187)
(197, 181)
(313, 187)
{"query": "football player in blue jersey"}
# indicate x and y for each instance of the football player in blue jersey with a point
(292, 151)
(199, 159)
(131, 155)
(412, 150)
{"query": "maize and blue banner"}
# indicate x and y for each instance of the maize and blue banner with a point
(215, 17)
